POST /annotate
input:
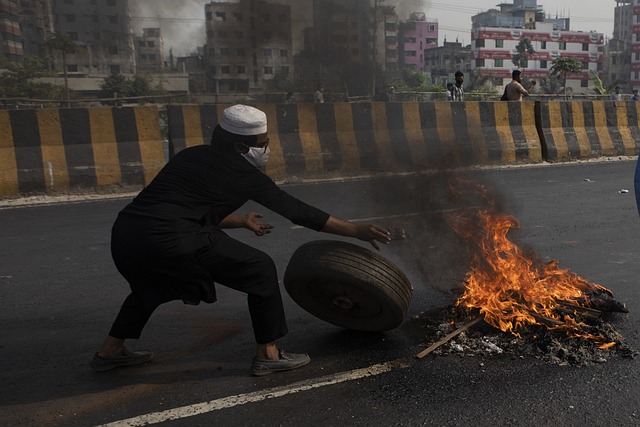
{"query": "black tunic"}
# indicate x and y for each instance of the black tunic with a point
(156, 238)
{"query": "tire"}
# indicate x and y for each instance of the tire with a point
(348, 286)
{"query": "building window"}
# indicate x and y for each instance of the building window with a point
(498, 63)
(114, 69)
(72, 68)
(241, 69)
(240, 52)
(562, 46)
(432, 28)
(284, 70)
(499, 43)
(543, 64)
(479, 42)
(237, 16)
(151, 43)
(584, 83)
(113, 19)
(409, 39)
(221, 16)
(225, 69)
(479, 63)
(391, 39)
(585, 47)
(268, 70)
(543, 45)
(284, 53)
(112, 50)
(411, 53)
(224, 51)
(585, 65)
(267, 52)
(637, 58)
(140, 44)
(143, 57)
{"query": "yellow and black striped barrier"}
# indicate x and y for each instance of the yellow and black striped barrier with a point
(351, 138)
(54, 150)
(588, 129)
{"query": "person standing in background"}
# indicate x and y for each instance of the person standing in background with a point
(616, 95)
(457, 91)
(318, 96)
(514, 90)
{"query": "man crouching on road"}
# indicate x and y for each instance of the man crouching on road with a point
(169, 242)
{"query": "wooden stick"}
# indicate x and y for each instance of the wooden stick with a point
(587, 311)
(446, 339)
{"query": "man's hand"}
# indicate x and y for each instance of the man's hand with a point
(251, 222)
(372, 233)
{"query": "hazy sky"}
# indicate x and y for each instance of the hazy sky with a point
(182, 22)
(454, 16)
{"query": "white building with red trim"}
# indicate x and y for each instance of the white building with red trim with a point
(496, 34)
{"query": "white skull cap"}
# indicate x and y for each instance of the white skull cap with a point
(244, 120)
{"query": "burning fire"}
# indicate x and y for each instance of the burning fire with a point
(513, 290)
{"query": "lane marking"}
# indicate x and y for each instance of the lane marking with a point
(258, 396)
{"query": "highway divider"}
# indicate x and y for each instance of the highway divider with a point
(337, 139)
(52, 150)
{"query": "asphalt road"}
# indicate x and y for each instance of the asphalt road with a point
(59, 293)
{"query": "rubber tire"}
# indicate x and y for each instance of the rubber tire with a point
(348, 286)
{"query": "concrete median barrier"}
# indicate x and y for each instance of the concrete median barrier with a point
(56, 150)
(572, 130)
(310, 140)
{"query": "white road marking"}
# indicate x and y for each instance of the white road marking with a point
(258, 396)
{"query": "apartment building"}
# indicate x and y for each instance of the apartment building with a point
(496, 34)
(36, 23)
(418, 35)
(102, 28)
(150, 51)
(442, 62)
(247, 44)
(10, 32)
(635, 46)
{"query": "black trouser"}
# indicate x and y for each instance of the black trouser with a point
(230, 263)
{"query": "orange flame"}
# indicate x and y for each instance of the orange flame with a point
(511, 289)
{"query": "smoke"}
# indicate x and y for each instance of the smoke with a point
(182, 23)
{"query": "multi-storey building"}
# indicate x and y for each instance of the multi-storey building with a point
(497, 33)
(442, 62)
(385, 36)
(36, 22)
(150, 50)
(635, 46)
(418, 35)
(616, 59)
(248, 43)
(10, 32)
(102, 28)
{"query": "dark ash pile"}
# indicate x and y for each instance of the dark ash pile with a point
(550, 346)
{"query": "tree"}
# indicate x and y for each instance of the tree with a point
(63, 44)
(524, 50)
(563, 67)
(16, 79)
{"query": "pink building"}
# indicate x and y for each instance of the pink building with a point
(418, 34)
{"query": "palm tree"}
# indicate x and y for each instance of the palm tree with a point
(565, 66)
(63, 43)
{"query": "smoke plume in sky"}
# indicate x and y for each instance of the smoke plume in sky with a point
(183, 27)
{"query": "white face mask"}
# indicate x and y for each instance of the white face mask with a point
(257, 156)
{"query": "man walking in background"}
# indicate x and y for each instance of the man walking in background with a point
(515, 91)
